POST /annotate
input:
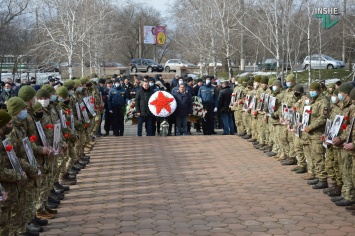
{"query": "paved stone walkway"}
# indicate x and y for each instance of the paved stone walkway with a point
(192, 185)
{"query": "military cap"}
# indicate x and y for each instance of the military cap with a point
(36, 106)
(345, 88)
(314, 86)
(240, 80)
(271, 80)
(62, 92)
(15, 105)
(4, 118)
(291, 78)
(245, 79)
(43, 93)
(84, 80)
(77, 82)
(26, 93)
(250, 82)
(276, 82)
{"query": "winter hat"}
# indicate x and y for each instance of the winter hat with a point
(26, 93)
(4, 118)
(15, 105)
(49, 88)
(331, 85)
(314, 86)
(345, 88)
(298, 88)
(352, 94)
(77, 82)
(42, 93)
(257, 78)
(271, 80)
(62, 92)
(84, 80)
(291, 78)
(264, 80)
(250, 82)
(36, 107)
(69, 84)
(276, 83)
(102, 81)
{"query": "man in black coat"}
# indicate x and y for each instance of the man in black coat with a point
(6, 94)
(224, 100)
(142, 109)
(183, 109)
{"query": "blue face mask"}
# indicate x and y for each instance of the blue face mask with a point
(334, 99)
(7, 90)
(340, 96)
(79, 89)
(274, 88)
(53, 98)
(313, 94)
(60, 99)
(288, 84)
(22, 115)
(71, 92)
(306, 102)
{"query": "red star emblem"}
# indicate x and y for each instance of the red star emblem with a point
(162, 102)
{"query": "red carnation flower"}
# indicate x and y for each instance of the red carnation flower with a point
(346, 117)
(83, 108)
(240, 102)
(33, 138)
(49, 126)
(67, 135)
(309, 111)
(92, 100)
(233, 94)
(261, 100)
(255, 113)
(343, 126)
(67, 123)
(67, 111)
(286, 109)
(9, 148)
(274, 108)
(86, 125)
(295, 108)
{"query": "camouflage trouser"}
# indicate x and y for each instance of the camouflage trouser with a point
(254, 127)
(59, 164)
(299, 150)
(332, 167)
(17, 221)
(43, 192)
(290, 139)
(239, 121)
(262, 127)
(5, 212)
(281, 138)
(348, 188)
(30, 201)
(96, 122)
(317, 156)
(79, 145)
(274, 132)
(70, 157)
(246, 122)
(308, 154)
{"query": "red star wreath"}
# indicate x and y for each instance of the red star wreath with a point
(162, 104)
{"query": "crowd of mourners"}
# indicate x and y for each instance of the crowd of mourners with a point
(46, 133)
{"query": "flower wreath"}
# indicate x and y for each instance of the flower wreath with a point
(162, 104)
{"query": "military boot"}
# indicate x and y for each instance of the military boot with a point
(320, 185)
(248, 136)
(301, 170)
(295, 168)
(336, 191)
(308, 176)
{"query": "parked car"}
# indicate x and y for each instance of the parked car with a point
(145, 65)
(174, 64)
(321, 61)
(271, 64)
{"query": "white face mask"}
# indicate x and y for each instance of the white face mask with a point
(181, 82)
(208, 81)
(44, 102)
(307, 101)
(236, 82)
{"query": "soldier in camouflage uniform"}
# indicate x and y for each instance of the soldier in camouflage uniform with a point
(274, 120)
(332, 157)
(262, 125)
(238, 106)
(270, 128)
(13, 182)
(17, 108)
(254, 112)
(315, 129)
(288, 139)
(246, 117)
(347, 110)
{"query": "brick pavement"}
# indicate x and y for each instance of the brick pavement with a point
(192, 185)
